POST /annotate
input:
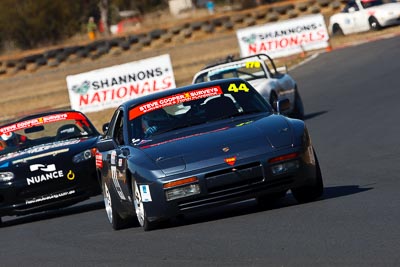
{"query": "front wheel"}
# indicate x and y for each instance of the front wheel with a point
(298, 109)
(114, 218)
(374, 24)
(312, 192)
(140, 210)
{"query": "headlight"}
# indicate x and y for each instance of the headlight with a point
(84, 155)
(6, 176)
(181, 188)
(284, 163)
(285, 167)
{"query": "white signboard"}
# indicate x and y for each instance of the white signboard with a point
(284, 38)
(109, 87)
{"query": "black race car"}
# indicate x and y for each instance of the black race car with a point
(47, 161)
(206, 144)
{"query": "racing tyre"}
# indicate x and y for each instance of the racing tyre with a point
(114, 218)
(374, 24)
(140, 210)
(312, 192)
(336, 30)
(273, 98)
(298, 109)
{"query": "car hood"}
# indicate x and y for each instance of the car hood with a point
(261, 85)
(54, 149)
(210, 145)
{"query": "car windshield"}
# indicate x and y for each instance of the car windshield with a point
(244, 70)
(371, 3)
(43, 130)
(195, 107)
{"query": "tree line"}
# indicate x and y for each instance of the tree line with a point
(27, 24)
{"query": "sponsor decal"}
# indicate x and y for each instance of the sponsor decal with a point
(253, 64)
(242, 87)
(40, 149)
(108, 87)
(243, 123)
(230, 161)
(70, 175)
(113, 155)
(145, 193)
(114, 178)
(99, 160)
(284, 38)
(50, 173)
(48, 168)
(173, 100)
(40, 121)
(48, 197)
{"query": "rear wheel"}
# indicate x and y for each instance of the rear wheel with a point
(337, 30)
(312, 192)
(114, 218)
(140, 209)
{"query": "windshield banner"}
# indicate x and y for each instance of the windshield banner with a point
(109, 87)
(284, 38)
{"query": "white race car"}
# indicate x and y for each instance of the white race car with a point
(260, 71)
(364, 15)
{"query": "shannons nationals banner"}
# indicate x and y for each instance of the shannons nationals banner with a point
(284, 38)
(109, 87)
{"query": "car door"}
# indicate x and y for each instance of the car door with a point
(116, 157)
(356, 19)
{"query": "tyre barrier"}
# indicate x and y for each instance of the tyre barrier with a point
(157, 33)
(302, 7)
(323, 3)
(218, 22)
(282, 10)
(238, 19)
(145, 41)
(195, 26)
(133, 39)
(272, 17)
(207, 28)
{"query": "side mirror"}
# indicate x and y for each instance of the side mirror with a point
(105, 127)
(282, 105)
(104, 145)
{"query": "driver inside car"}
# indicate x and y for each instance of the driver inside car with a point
(11, 140)
(155, 121)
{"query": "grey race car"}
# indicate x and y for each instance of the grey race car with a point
(189, 148)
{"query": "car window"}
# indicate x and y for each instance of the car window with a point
(194, 108)
(243, 70)
(367, 4)
(118, 128)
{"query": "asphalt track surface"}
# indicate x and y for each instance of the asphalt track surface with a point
(351, 98)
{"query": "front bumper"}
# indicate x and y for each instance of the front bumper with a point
(19, 198)
(224, 184)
